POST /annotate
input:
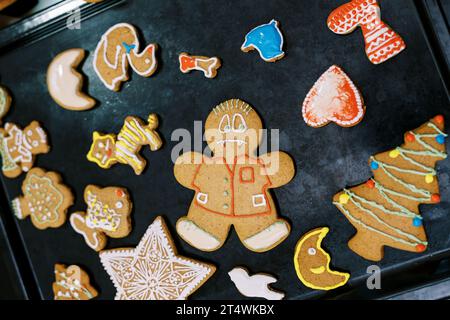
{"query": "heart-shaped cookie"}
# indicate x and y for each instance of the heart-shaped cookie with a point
(333, 98)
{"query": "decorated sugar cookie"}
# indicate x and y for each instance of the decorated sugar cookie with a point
(65, 83)
(232, 187)
(385, 209)
(107, 150)
(267, 39)
(19, 148)
(334, 98)
(117, 50)
(72, 283)
(255, 286)
(5, 102)
(382, 43)
(153, 270)
(107, 215)
(45, 199)
(207, 65)
(312, 263)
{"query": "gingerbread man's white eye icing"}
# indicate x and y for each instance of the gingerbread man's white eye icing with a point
(312, 251)
(239, 124)
(119, 205)
(225, 126)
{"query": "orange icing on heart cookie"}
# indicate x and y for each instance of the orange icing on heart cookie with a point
(333, 98)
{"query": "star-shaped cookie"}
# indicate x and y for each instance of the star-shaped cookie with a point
(153, 270)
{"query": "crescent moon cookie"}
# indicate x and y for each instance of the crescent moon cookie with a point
(65, 83)
(72, 283)
(18, 148)
(5, 102)
(117, 50)
(45, 199)
(312, 263)
(207, 65)
(382, 43)
(385, 209)
(153, 270)
(107, 215)
(107, 149)
(267, 39)
(333, 98)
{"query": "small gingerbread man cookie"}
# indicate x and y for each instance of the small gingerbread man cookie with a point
(72, 283)
(18, 147)
(107, 215)
(45, 199)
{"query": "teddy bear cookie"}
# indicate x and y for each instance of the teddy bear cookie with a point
(382, 43)
(207, 65)
(117, 50)
(45, 199)
(107, 215)
(5, 102)
(385, 209)
(267, 39)
(312, 263)
(65, 83)
(18, 147)
(107, 149)
(333, 98)
(72, 283)
(154, 270)
(232, 187)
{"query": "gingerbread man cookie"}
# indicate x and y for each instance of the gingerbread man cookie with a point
(382, 43)
(207, 65)
(232, 187)
(5, 102)
(107, 215)
(119, 48)
(72, 283)
(18, 147)
(45, 199)
(107, 150)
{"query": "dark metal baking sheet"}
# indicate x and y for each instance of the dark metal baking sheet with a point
(400, 95)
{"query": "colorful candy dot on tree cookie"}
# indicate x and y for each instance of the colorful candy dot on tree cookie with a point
(382, 43)
(208, 66)
(333, 98)
(388, 214)
(312, 263)
(72, 283)
(267, 39)
(153, 270)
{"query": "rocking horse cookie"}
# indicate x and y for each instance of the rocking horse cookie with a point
(382, 43)
(119, 48)
(232, 187)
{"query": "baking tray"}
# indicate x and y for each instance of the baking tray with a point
(400, 94)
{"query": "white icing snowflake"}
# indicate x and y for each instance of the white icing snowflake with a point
(153, 271)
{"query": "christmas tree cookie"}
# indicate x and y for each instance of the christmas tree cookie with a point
(385, 209)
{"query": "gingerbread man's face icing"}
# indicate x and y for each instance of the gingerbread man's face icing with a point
(233, 126)
(102, 150)
(35, 138)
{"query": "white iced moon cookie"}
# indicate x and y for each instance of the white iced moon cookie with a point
(65, 83)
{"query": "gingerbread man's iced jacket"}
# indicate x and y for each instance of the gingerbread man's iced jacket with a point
(232, 187)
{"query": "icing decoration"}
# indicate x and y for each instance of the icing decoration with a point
(207, 65)
(5, 102)
(401, 183)
(119, 48)
(107, 150)
(18, 147)
(153, 270)
(65, 83)
(255, 286)
(267, 39)
(312, 263)
(333, 98)
(108, 214)
(45, 199)
(232, 185)
(72, 283)
(382, 43)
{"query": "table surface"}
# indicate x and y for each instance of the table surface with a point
(400, 95)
